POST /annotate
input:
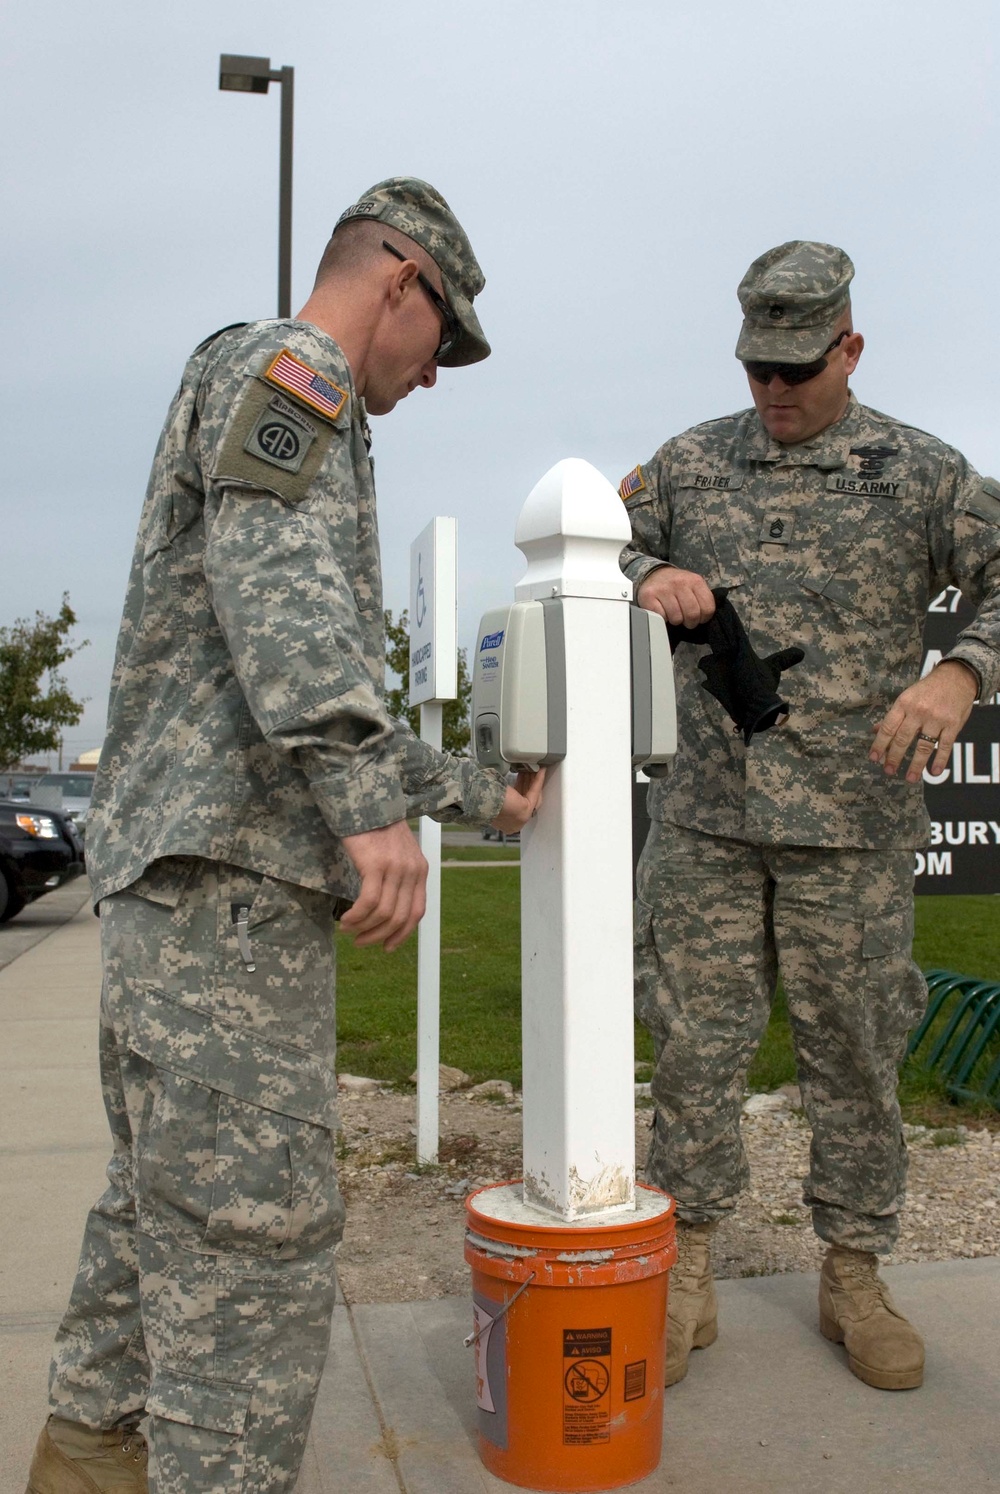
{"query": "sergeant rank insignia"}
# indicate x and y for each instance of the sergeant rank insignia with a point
(291, 374)
(632, 484)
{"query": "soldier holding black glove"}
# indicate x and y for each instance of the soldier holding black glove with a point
(735, 674)
(831, 526)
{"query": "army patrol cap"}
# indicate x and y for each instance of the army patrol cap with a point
(416, 209)
(792, 298)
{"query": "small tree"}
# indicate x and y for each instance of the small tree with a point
(455, 732)
(32, 720)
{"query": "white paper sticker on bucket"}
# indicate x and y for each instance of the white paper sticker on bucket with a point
(484, 1327)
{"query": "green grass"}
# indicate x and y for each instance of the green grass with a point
(488, 851)
(480, 988)
(774, 1061)
(958, 933)
(481, 996)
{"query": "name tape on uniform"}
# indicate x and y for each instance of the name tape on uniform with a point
(722, 482)
(866, 487)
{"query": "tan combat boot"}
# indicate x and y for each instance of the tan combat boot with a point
(74, 1459)
(692, 1311)
(856, 1310)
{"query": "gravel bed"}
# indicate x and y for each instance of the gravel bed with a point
(405, 1224)
(952, 1208)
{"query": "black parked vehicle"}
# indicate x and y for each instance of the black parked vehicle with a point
(40, 849)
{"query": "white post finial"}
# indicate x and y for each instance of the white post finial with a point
(571, 531)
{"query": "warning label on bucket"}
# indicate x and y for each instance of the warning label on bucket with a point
(586, 1383)
(490, 1340)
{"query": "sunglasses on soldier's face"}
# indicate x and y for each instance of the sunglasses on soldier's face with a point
(450, 334)
(790, 373)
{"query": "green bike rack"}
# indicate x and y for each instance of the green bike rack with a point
(970, 1033)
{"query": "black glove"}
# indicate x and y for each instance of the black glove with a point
(746, 685)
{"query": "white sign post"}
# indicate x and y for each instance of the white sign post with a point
(433, 680)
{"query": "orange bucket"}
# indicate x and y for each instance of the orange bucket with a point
(569, 1382)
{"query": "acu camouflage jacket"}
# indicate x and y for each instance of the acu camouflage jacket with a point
(837, 545)
(246, 722)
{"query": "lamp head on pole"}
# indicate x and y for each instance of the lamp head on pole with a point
(244, 74)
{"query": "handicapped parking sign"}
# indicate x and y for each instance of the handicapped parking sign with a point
(420, 604)
(433, 595)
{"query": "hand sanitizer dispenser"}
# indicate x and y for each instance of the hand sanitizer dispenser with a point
(654, 712)
(519, 687)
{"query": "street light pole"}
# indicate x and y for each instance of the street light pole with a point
(286, 77)
(254, 75)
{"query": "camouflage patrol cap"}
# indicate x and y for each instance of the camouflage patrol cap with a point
(792, 297)
(416, 209)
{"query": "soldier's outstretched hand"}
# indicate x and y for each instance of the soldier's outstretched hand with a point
(520, 802)
(393, 885)
(928, 716)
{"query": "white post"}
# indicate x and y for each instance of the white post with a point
(576, 865)
(433, 680)
(429, 966)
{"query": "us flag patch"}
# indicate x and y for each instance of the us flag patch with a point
(290, 373)
(634, 483)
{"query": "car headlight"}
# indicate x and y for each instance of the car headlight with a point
(38, 825)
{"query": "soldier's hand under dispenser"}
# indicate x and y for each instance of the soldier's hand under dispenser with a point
(521, 802)
(393, 871)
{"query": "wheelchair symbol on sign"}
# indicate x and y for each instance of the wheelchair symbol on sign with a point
(421, 607)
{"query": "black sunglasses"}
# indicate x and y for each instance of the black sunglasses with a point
(452, 331)
(791, 373)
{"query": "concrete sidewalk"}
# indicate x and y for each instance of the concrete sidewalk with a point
(770, 1409)
(41, 918)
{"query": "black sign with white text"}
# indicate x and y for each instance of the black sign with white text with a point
(964, 802)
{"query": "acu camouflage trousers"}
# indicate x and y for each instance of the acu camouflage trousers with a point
(206, 1281)
(716, 920)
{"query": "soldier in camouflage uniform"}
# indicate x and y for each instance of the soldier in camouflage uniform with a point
(832, 525)
(251, 781)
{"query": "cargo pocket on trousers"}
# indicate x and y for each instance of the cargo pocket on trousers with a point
(895, 989)
(198, 1430)
(238, 1154)
(274, 1190)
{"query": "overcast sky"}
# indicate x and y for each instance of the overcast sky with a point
(617, 166)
